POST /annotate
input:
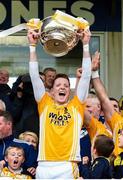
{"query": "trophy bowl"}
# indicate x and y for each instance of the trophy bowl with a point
(58, 38)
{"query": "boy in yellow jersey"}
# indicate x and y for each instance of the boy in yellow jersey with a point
(111, 112)
(60, 119)
(14, 156)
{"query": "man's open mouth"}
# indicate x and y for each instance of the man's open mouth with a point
(61, 94)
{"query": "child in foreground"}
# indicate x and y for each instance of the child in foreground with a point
(102, 148)
(14, 156)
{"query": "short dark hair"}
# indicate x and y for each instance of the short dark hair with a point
(7, 116)
(113, 99)
(104, 145)
(41, 73)
(61, 75)
(49, 69)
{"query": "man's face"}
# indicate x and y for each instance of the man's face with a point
(115, 105)
(5, 128)
(4, 77)
(15, 158)
(61, 90)
(93, 107)
(49, 77)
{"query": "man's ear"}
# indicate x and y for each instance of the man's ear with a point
(94, 152)
(9, 124)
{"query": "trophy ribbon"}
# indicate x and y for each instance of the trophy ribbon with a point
(34, 24)
(78, 22)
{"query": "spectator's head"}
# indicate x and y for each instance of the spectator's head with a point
(14, 156)
(25, 78)
(6, 124)
(102, 146)
(115, 104)
(93, 105)
(26, 84)
(50, 74)
(4, 76)
(30, 137)
(2, 106)
(61, 89)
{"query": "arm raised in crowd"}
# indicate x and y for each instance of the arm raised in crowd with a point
(100, 89)
(37, 83)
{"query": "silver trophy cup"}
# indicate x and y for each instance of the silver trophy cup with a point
(58, 38)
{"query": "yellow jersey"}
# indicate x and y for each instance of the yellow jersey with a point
(60, 127)
(96, 128)
(7, 173)
(116, 123)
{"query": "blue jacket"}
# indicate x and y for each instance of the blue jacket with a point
(85, 148)
(100, 169)
(30, 153)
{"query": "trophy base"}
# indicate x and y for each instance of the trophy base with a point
(56, 47)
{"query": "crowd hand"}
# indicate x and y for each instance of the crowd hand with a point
(21, 85)
(80, 178)
(96, 61)
(32, 170)
(78, 73)
(84, 35)
(20, 90)
(33, 37)
(2, 164)
(95, 64)
(85, 160)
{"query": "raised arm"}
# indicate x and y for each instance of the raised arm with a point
(37, 83)
(84, 82)
(100, 89)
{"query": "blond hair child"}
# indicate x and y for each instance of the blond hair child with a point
(14, 156)
(30, 137)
